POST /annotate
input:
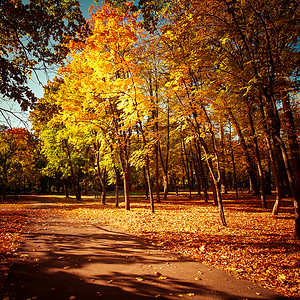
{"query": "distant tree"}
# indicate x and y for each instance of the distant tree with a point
(18, 149)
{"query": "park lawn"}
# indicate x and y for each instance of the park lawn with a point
(254, 246)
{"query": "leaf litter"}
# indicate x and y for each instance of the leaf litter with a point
(254, 246)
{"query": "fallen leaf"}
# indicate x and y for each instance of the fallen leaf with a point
(139, 279)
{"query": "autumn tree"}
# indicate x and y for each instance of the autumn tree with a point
(18, 152)
(33, 38)
(106, 64)
(245, 42)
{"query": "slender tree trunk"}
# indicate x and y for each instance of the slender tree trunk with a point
(125, 165)
(101, 179)
(66, 188)
(249, 162)
(259, 166)
(222, 160)
(203, 175)
(157, 173)
(147, 167)
(215, 181)
(165, 162)
(126, 178)
(272, 158)
(276, 178)
(186, 166)
(233, 164)
(117, 186)
(268, 177)
(296, 197)
(197, 176)
(175, 184)
(145, 184)
(149, 183)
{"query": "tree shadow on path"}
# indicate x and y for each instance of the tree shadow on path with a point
(62, 260)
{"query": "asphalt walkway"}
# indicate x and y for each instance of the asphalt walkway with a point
(63, 260)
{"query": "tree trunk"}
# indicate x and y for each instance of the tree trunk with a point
(272, 157)
(175, 184)
(147, 168)
(292, 139)
(249, 162)
(222, 160)
(258, 160)
(66, 188)
(233, 164)
(186, 166)
(202, 173)
(125, 166)
(117, 186)
(165, 162)
(215, 181)
(295, 195)
(145, 183)
(149, 183)
(196, 168)
(102, 179)
(157, 173)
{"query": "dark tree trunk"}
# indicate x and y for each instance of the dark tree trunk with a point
(145, 184)
(175, 184)
(222, 160)
(233, 164)
(157, 174)
(117, 186)
(66, 188)
(249, 161)
(196, 168)
(258, 160)
(201, 169)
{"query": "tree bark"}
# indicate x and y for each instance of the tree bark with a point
(117, 186)
(233, 164)
(258, 160)
(186, 166)
(201, 168)
(249, 162)
(222, 160)
(145, 184)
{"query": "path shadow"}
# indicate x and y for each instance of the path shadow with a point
(70, 261)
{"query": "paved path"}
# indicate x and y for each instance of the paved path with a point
(61, 260)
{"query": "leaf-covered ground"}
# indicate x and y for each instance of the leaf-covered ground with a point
(255, 245)
(13, 221)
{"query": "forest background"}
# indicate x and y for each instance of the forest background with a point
(155, 96)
